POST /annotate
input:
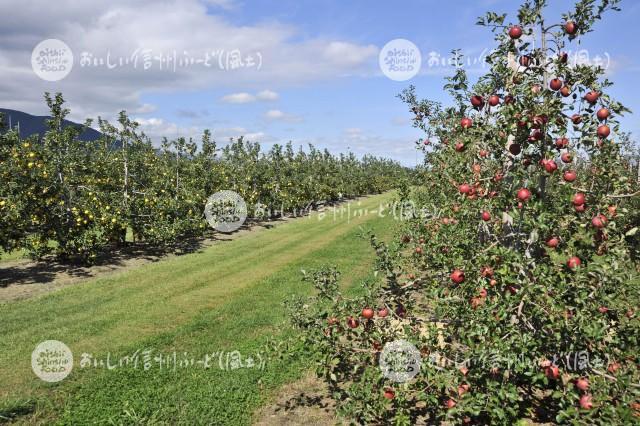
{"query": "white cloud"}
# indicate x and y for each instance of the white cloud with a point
(348, 54)
(145, 109)
(223, 135)
(157, 128)
(354, 133)
(267, 95)
(239, 98)
(159, 27)
(276, 114)
(245, 98)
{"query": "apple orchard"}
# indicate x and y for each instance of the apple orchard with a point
(78, 199)
(521, 296)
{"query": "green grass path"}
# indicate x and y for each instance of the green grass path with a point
(226, 298)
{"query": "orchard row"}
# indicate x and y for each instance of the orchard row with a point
(76, 198)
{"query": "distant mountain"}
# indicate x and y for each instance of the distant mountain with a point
(32, 124)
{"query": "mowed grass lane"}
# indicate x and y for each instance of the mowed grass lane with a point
(226, 298)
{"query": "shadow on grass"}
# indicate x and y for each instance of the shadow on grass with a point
(50, 268)
(47, 269)
(10, 410)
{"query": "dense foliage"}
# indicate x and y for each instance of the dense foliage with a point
(514, 275)
(76, 198)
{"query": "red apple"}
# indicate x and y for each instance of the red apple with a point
(562, 143)
(570, 27)
(463, 388)
(550, 166)
(566, 157)
(603, 131)
(459, 146)
(367, 313)
(580, 208)
(524, 194)
(565, 91)
(603, 309)
(582, 384)
(482, 292)
(477, 101)
(450, 403)
(602, 114)
(457, 276)
(576, 118)
(613, 367)
(552, 372)
(555, 84)
(466, 123)
(569, 176)
(418, 250)
(486, 216)
(579, 198)
(586, 402)
(389, 393)
(483, 153)
(553, 242)
(525, 60)
(352, 322)
(494, 100)
(515, 32)
(599, 221)
(592, 97)
(383, 312)
(465, 188)
(563, 57)
(573, 262)
(508, 99)
(537, 135)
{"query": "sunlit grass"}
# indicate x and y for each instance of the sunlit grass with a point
(225, 298)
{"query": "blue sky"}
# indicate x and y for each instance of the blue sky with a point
(320, 66)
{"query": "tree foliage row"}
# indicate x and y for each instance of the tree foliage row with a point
(75, 198)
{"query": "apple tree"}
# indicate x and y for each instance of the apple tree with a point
(513, 277)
